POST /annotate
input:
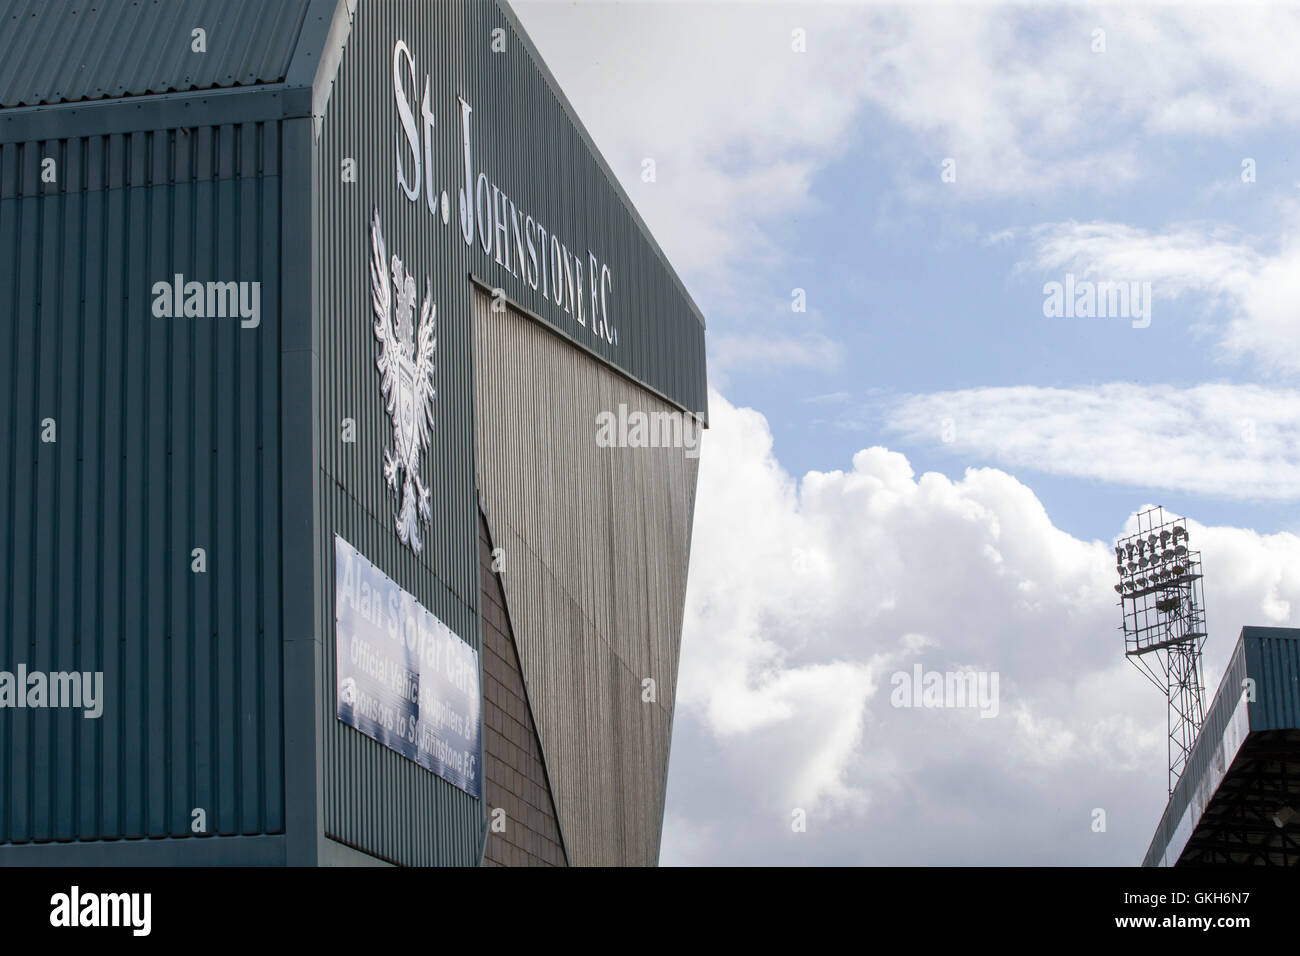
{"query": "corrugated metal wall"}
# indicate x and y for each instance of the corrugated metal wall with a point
(526, 142)
(596, 555)
(62, 51)
(170, 436)
(514, 770)
(1273, 659)
(374, 799)
(167, 440)
(529, 144)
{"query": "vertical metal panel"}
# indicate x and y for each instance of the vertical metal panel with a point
(529, 142)
(595, 550)
(167, 440)
(170, 434)
(374, 799)
(529, 145)
(71, 50)
(1273, 660)
(515, 776)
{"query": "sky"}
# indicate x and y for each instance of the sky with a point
(913, 459)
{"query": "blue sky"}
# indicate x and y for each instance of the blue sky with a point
(920, 300)
(839, 538)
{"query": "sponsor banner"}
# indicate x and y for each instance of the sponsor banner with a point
(403, 677)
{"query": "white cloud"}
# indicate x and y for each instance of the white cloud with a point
(1230, 441)
(805, 597)
(828, 398)
(740, 125)
(764, 352)
(735, 122)
(1210, 267)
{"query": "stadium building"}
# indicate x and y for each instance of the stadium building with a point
(350, 429)
(1238, 799)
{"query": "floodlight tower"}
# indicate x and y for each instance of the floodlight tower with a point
(1164, 622)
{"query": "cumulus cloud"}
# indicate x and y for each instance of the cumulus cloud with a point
(807, 597)
(1230, 441)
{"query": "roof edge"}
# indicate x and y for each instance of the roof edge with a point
(319, 52)
(153, 111)
(513, 19)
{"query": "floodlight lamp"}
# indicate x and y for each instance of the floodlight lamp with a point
(1119, 588)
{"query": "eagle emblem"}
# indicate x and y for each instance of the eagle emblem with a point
(406, 379)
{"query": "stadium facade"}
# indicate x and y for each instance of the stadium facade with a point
(313, 553)
(1238, 800)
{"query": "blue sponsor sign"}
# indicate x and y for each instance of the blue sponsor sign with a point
(403, 677)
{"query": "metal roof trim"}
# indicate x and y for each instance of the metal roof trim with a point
(85, 51)
(513, 19)
(154, 112)
(319, 52)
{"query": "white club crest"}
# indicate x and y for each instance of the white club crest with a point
(406, 378)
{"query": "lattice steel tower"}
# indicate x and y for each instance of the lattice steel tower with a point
(1164, 622)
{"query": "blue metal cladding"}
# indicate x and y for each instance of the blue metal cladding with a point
(1273, 660)
(63, 51)
(166, 440)
(1270, 656)
(374, 799)
(175, 434)
(528, 144)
